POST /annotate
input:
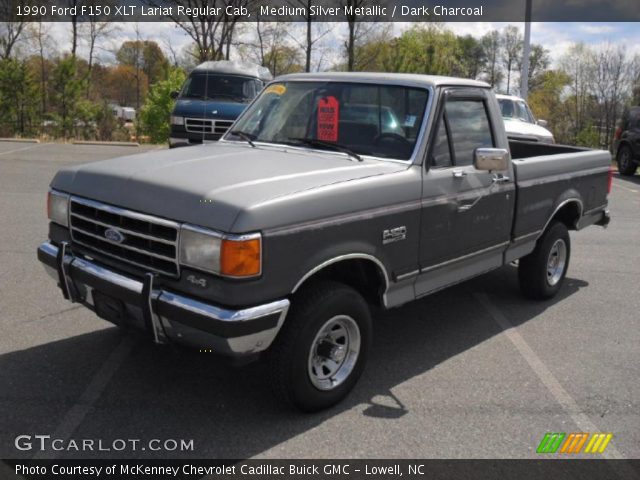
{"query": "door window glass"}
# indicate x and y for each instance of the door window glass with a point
(469, 128)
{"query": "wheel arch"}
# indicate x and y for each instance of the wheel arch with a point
(568, 211)
(361, 271)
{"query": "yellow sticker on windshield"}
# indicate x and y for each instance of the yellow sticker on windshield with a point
(278, 89)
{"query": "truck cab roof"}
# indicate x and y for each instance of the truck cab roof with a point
(410, 79)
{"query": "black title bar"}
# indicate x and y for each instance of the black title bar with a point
(557, 469)
(317, 10)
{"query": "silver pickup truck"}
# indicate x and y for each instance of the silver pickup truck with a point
(332, 193)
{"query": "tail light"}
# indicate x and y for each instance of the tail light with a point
(618, 133)
(610, 180)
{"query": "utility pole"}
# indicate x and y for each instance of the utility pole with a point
(524, 74)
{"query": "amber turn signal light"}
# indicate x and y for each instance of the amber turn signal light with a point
(240, 258)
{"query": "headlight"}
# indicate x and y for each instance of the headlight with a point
(58, 207)
(176, 120)
(227, 255)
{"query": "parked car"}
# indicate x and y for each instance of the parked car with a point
(278, 240)
(627, 142)
(212, 98)
(520, 123)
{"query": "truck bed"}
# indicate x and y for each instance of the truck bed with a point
(549, 175)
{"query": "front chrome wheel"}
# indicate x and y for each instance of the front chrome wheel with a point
(556, 262)
(334, 352)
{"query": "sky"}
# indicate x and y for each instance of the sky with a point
(557, 37)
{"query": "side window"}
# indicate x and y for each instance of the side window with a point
(440, 155)
(469, 128)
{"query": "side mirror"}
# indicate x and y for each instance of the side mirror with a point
(491, 159)
(542, 123)
(174, 95)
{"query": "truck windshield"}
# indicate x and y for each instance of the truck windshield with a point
(212, 86)
(376, 120)
(515, 109)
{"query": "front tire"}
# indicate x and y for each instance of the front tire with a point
(542, 272)
(626, 165)
(322, 348)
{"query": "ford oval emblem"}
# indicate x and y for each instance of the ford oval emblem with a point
(114, 235)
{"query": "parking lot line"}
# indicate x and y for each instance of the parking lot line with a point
(625, 188)
(544, 374)
(76, 414)
(23, 148)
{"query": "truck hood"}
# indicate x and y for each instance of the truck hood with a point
(190, 107)
(212, 184)
(517, 127)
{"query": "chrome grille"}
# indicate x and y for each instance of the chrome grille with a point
(147, 242)
(205, 125)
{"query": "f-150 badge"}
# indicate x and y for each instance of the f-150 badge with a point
(394, 235)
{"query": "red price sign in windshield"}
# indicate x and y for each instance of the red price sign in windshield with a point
(328, 114)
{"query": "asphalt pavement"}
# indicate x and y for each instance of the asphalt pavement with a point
(475, 371)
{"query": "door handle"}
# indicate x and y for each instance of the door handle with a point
(459, 173)
(464, 207)
(500, 178)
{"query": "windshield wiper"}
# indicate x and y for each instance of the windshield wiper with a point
(244, 136)
(314, 142)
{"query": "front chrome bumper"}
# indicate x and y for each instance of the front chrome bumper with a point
(169, 316)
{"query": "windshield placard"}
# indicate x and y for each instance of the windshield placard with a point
(328, 117)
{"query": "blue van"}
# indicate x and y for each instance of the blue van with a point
(212, 98)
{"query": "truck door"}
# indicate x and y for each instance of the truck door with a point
(466, 215)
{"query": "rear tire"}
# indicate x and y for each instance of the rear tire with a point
(626, 165)
(322, 348)
(542, 272)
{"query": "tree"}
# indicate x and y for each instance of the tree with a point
(119, 80)
(68, 87)
(11, 28)
(145, 54)
(429, 49)
(472, 57)
(314, 32)
(42, 37)
(73, 4)
(96, 30)
(212, 34)
(372, 46)
(511, 40)
(611, 83)
(546, 101)
(575, 64)
(19, 97)
(154, 115)
(357, 31)
(491, 48)
(539, 62)
(283, 59)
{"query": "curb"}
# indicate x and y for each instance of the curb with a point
(113, 144)
(20, 140)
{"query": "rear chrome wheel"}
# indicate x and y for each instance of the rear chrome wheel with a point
(334, 352)
(556, 262)
(542, 272)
